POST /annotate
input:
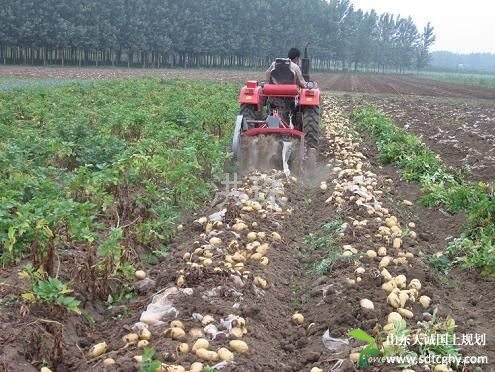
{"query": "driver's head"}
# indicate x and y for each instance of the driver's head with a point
(294, 55)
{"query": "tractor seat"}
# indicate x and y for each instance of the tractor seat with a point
(282, 74)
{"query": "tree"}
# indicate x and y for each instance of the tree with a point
(423, 49)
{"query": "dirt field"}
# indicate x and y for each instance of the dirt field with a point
(275, 343)
(461, 133)
(356, 83)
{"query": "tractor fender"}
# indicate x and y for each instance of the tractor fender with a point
(250, 95)
(309, 97)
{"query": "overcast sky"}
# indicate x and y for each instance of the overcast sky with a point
(462, 26)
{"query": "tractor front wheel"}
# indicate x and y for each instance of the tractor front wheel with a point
(248, 112)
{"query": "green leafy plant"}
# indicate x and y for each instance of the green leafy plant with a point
(370, 350)
(49, 290)
(149, 364)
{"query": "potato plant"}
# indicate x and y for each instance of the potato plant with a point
(444, 188)
(106, 168)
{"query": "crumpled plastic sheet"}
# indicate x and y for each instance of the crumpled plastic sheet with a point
(217, 216)
(336, 345)
(161, 305)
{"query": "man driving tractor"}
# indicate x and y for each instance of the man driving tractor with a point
(294, 55)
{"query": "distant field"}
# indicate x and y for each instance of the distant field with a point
(427, 85)
(487, 81)
(13, 83)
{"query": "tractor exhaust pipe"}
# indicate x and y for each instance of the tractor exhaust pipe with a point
(306, 64)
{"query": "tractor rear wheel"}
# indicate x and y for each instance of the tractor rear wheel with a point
(311, 125)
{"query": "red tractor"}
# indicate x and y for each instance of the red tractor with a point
(278, 124)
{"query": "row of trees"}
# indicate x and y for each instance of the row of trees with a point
(207, 33)
(473, 62)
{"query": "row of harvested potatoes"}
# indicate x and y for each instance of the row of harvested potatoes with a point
(239, 250)
(353, 184)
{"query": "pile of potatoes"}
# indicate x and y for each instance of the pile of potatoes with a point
(352, 183)
(239, 248)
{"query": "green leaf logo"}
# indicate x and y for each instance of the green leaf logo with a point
(371, 350)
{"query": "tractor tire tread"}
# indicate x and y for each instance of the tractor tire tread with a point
(311, 126)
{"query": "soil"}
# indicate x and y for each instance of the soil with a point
(32, 335)
(344, 82)
(462, 132)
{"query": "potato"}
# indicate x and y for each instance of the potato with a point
(396, 230)
(415, 283)
(406, 313)
(225, 354)
(298, 318)
(130, 338)
(407, 202)
(207, 319)
(425, 301)
(400, 281)
(413, 234)
(412, 225)
(261, 235)
(108, 362)
(240, 226)
(441, 368)
(97, 350)
(385, 261)
(208, 355)
(45, 369)
(382, 251)
(264, 261)
(209, 227)
(388, 327)
(186, 256)
(140, 274)
(175, 333)
(183, 348)
(397, 242)
(142, 344)
(176, 324)
(201, 343)
(262, 249)
(256, 256)
(260, 282)
(389, 286)
(393, 300)
(389, 222)
(367, 304)
(316, 369)
(386, 275)
(236, 332)
(181, 280)
(215, 241)
(323, 186)
(144, 334)
(351, 281)
(360, 270)
(251, 236)
(276, 236)
(358, 279)
(239, 346)
(403, 297)
(138, 358)
(354, 357)
(196, 367)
